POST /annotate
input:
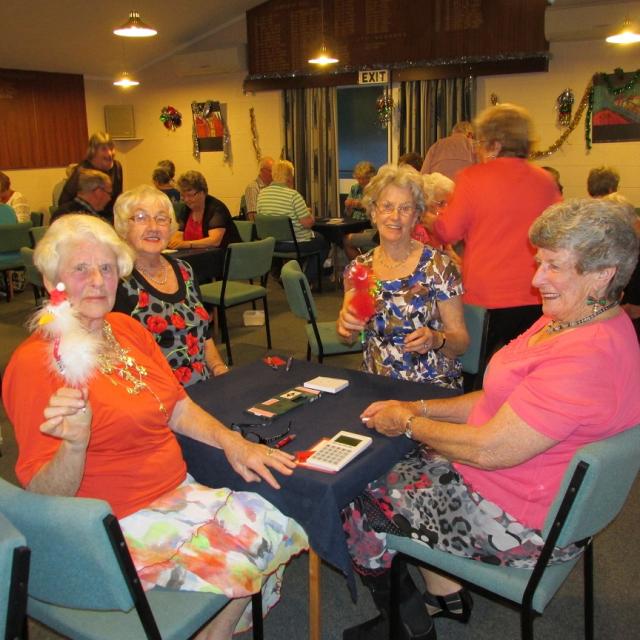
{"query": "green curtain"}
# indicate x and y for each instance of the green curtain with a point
(311, 143)
(430, 108)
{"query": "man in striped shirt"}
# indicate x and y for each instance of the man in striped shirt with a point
(280, 199)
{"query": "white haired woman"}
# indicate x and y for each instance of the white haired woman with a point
(161, 293)
(417, 331)
(111, 437)
(492, 461)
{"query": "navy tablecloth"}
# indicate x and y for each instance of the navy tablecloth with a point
(312, 498)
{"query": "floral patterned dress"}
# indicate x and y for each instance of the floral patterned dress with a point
(178, 321)
(404, 305)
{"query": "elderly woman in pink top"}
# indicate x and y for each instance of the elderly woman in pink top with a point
(493, 460)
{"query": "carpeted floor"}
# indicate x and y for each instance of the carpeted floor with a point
(617, 560)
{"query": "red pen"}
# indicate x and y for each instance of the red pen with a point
(286, 440)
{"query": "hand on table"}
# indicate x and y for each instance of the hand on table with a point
(422, 340)
(68, 417)
(252, 461)
(388, 417)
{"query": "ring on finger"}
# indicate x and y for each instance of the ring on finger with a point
(270, 451)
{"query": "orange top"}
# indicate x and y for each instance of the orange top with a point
(492, 208)
(133, 457)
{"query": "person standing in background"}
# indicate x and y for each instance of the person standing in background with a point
(451, 154)
(14, 199)
(100, 156)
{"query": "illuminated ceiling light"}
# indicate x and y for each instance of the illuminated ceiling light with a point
(135, 28)
(126, 81)
(627, 35)
(323, 57)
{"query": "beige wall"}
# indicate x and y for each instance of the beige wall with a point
(572, 65)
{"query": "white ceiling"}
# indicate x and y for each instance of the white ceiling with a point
(75, 36)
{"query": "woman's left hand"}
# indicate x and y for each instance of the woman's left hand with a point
(388, 417)
(252, 461)
(422, 340)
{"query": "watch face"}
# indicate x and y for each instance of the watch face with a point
(349, 442)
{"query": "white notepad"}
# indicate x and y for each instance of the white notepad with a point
(329, 385)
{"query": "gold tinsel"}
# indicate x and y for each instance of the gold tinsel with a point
(535, 155)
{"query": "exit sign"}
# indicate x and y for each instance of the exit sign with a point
(381, 76)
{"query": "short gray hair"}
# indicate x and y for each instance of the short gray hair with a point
(75, 227)
(141, 197)
(282, 171)
(90, 179)
(403, 177)
(436, 182)
(598, 233)
(193, 180)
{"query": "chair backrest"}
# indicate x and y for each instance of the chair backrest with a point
(613, 466)
(179, 209)
(477, 320)
(37, 218)
(7, 214)
(14, 236)
(246, 229)
(14, 570)
(248, 260)
(294, 280)
(72, 561)
(37, 233)
(32, 274)
(278, 227)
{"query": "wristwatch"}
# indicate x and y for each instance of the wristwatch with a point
(408, 431)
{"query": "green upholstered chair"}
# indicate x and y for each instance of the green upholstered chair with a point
(12, 238)
(14, 580)
(243, 261)
(7, 214)
(37, 218)
(83, 583)
(246, 229)
(37, 233)
(322, 337)
(32, 275)
(593, 492)
(281, 228)
(473, 360)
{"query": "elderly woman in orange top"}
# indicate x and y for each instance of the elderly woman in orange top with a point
(492, 208)
(97, 416)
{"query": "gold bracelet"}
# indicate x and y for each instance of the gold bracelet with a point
(443, 335)
(425, 409)
(408, 431)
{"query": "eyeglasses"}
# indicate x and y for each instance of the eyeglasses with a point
(191, 193)
(405, 209)
(247, 431)
(140, 217)
(109, 192)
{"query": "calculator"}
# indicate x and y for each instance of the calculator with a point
(334, 454)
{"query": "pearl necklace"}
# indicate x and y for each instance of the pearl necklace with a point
(555, 325)
(162, 280)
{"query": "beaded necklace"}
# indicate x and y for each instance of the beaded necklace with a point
(162, 280)
(555, 325)
(114, 359)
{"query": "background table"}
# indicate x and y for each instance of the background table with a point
(334, 229)
(207, 263)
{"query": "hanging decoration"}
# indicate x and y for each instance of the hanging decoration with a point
(255, 139)
(616, 107)
(564, 105)
(384, 106)
(494, 99)
(170, 117)
(210, 132)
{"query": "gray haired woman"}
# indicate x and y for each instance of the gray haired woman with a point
(417, 330)
(493, 460)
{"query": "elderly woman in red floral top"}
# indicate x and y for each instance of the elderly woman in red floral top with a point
(161, 293)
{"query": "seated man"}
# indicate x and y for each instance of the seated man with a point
(281, 199)
(94, 194)
(263, 180)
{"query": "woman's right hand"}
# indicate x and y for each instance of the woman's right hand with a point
(349, 325)
(68, 417)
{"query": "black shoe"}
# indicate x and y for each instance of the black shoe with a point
(456, 606)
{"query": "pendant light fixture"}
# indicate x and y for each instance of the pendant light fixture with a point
(126, 81)
(628, 34)
(135, 28)
(324, 57)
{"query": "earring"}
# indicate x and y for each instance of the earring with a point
(596, 303)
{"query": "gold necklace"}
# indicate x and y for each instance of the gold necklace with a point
(391, 264)
(114, 359)
(161, 280)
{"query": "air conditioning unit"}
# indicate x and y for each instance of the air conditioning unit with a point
(570, 20)
(214, 61)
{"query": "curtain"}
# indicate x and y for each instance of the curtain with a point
(430, 108)
(311, 143)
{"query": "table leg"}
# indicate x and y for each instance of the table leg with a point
(314, 595)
